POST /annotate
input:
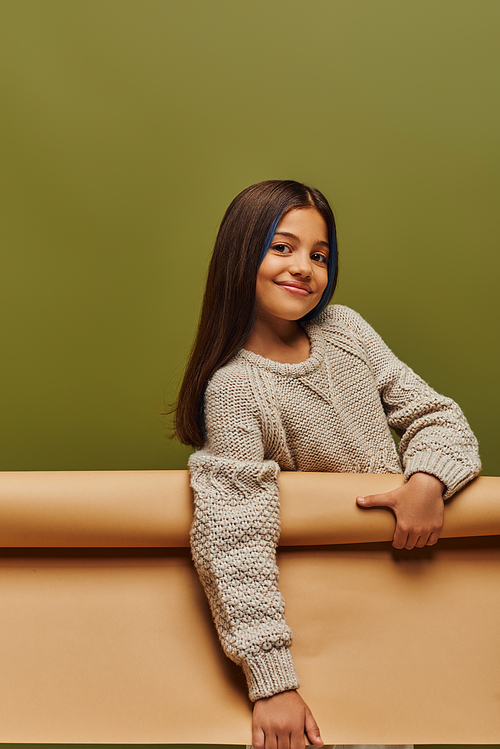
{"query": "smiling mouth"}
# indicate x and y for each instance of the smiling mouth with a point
(295, 288)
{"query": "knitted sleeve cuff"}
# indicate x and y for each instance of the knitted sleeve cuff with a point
(454, 474)
(270, 672)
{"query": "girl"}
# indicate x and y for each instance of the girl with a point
(279, 380)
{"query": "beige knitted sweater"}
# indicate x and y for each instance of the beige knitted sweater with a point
(329, 413)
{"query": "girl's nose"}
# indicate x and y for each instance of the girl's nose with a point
(301, 264)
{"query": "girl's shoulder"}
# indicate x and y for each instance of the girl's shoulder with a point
(345, 329)
(232, 377)
(231, 398)
(338, 316)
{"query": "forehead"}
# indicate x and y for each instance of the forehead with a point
(306, 222)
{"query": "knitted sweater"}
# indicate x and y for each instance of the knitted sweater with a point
(331, 412)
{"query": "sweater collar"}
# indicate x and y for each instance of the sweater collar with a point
(311, 364)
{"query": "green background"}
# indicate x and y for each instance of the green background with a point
(127, 126)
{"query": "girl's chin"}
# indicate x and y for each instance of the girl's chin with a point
(293, 313)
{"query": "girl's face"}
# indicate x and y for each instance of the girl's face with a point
(294, 273)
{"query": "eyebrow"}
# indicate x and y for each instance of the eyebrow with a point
(293, 236)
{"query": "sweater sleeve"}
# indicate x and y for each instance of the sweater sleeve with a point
(435, 435)
(234, 536)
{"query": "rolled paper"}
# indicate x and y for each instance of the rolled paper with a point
(117, 646)
(141, 509)
(100, 509)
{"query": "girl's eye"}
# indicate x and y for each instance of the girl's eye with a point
(281, 248)
(319, 258)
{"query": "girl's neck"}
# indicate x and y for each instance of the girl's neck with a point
(287, 344)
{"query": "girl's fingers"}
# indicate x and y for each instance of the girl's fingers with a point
(271, 741)
(258, 739)
(400, 539)
(410, 541)
(312, 730)
(422, 541)
(376, 500)
(297, 740)
(428, 539)
(433, 538)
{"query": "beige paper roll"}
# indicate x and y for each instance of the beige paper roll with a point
(117, 645)
(95, 509)
(154, 509)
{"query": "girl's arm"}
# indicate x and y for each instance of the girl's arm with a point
(234, 536)
(438, 450)
(435, 436)
(233, 539)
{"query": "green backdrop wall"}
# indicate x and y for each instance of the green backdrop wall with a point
(128, 126)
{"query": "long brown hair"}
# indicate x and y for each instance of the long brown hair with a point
(244, 236)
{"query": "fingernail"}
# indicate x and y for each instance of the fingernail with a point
(360, 499)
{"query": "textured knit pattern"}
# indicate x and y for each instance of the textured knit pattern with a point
(329, 413)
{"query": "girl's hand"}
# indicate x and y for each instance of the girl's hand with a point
(280, 722)
(418, 507)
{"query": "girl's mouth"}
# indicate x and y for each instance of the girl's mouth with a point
(301, 289)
